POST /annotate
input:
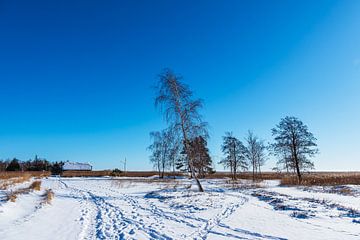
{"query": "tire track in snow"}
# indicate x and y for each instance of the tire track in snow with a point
(111, 223)
(156, 211)
(204, 231)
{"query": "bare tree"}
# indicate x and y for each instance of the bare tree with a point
(235, 153)
(181, 111)
(174, 145)
(255, 153)
(156, 150)
(164, 150)
(295, 143)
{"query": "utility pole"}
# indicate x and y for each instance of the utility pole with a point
(124, 162)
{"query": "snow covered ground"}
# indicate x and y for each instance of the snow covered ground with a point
(145, 208)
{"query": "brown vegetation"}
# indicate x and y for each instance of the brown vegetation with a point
(324, 179)
(40, 174)
(6, 182)
(35, 186)
(12, 195)
(47, 196)
(248, 175)
(114, 174)
(8, 179)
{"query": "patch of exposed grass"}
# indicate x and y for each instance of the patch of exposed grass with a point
(8, 179)
(5, 183)
(36, 185)
(48, 196)
(12, 195)
(111, 173)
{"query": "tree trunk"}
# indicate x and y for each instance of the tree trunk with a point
(296, 160)
(174, 169)
(163, 170)
(235, 164)
(298, 170)
(259, 170)
(253, 167)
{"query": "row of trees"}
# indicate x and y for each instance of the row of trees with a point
(36, 164)
(242, 157)
(183, 144)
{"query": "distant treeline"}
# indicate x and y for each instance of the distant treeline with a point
(36, 164)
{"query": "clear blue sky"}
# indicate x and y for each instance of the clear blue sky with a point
(76, 76)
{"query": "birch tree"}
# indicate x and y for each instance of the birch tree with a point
(175, 99)
(255, 153)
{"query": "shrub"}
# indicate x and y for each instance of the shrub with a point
(48, 196)
(35, 186)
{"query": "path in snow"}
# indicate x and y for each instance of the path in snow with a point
(102, 208)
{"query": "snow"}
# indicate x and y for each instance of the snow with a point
(149, 208)
(77, 166)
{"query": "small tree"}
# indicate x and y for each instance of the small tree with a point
(294, 145)
(255, 153)
(235, 153)
(200, 155)
(164, 150)
(157, 155)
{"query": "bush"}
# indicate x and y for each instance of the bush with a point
(35, 186)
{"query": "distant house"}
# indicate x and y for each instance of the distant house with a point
(76, 166)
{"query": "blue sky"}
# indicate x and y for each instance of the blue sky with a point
(76, 76)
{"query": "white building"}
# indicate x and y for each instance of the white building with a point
(75, 166)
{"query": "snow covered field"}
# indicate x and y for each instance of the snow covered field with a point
(145, 208)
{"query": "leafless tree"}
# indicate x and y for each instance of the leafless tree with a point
(255, 153)
(156, 150)
(175, 99)
(164, 150)
(235, 154)
(295, 143)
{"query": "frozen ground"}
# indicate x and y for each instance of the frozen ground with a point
(104, 208)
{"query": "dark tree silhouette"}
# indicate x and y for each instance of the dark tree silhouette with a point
(200, 155)
(175, 99)
(14, 165)
(294, 145)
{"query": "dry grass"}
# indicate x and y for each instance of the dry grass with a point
(7, 182)
(39, 174)
(48, 196)
(12, 195)
(111, 173)
(324, 179)
(86, 173)
(35, 186)
(8, 179)
(247, 175)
